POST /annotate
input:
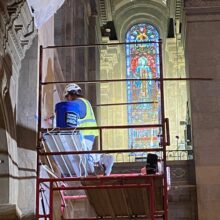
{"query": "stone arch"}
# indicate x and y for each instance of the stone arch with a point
(141, 22)
(127, 14)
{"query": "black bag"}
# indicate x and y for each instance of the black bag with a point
(151, 166)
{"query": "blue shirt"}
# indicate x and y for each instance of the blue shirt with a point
(77, 106)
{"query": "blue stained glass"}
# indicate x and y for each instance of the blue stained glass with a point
(142, 61)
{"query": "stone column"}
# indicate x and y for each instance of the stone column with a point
(111, 68)
(76, 24)
(202, 60)
(17, 172)
(175, 92)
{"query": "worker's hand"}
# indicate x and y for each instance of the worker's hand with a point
(51, 117)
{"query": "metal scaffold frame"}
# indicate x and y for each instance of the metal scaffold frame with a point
(149, 179)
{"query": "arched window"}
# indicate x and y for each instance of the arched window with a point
(142, 61)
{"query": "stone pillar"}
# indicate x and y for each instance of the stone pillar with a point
(111, 64)
(26, 127)
(175, 93)
(17, 171)
(202, 60)
(76, 24)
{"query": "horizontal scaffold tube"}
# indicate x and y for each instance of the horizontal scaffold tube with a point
(142, 185)
(99, 151)
(51, 130)
(101, 44)
(126, 80)
(102, 178)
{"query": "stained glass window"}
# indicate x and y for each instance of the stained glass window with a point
(142, 62)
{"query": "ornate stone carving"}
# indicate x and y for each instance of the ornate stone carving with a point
(105, 11)
(178, 173)
(16, 30)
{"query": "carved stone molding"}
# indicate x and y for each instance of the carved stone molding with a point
(105, 11)
(16, 30)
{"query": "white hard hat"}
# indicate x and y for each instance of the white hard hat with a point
(72, 88)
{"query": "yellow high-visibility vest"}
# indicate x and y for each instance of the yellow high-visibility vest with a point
(88, 121)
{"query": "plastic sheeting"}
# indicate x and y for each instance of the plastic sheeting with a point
(43, 10)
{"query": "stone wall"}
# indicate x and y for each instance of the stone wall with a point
(202, 50)
(182, 195)
(76, 24)
(182, 202)
(111, 67)
(26, 116)
(17, 170)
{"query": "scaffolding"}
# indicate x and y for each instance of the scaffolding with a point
(120, 196)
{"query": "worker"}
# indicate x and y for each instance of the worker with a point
(84, 116)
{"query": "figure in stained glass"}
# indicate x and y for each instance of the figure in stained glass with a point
(143, 63)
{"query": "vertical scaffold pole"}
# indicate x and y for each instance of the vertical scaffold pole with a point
(165, 198)
(38, 131)
(51, 201)
(152, 199)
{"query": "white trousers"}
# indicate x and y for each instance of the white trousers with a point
(94, 157)
(103, 159)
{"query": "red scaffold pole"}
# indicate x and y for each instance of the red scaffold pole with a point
(38, 133)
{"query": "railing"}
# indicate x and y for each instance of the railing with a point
(171, 155)
(179, 155)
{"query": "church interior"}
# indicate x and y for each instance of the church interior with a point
(149, 69)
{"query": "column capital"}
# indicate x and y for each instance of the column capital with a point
(17, 31)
